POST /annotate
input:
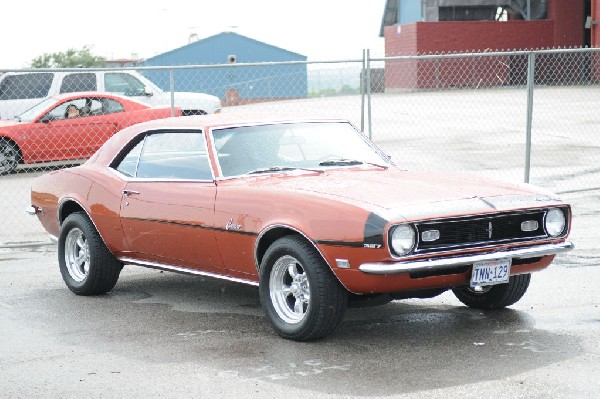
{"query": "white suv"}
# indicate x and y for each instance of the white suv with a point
(19, 91)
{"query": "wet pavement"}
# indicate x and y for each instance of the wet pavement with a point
(163, 334)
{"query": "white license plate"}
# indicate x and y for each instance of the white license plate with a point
(490, 273)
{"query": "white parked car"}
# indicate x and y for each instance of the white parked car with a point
(19, 91)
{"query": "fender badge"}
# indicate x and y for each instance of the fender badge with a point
(374, 246)
(231, 226)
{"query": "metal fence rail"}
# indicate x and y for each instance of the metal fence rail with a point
(520, 116)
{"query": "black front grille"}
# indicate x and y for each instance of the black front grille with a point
(475, 231)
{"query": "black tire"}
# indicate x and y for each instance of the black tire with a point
(495, 296)
(301, 297)
(9, 157)
(86, 264)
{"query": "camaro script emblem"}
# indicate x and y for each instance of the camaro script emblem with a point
(231, 226)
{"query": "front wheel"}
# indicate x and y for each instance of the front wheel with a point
(494, 296)
(300, 295)
(86, 264)
(9, 157)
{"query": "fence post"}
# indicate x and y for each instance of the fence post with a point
(172, 89)
(368, 84)
(363, 77)
(530, 84)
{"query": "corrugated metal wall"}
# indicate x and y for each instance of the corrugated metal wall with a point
(247, 82)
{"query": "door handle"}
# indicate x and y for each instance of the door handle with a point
(127, 193)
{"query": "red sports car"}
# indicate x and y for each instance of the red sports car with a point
(69, 126)
(310, 211)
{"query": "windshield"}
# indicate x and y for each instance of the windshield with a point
(36, 110)
(288, 146)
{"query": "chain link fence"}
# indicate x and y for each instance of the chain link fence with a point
(521, 116)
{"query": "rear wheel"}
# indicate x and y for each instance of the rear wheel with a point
(9, 157)
(494, 296)
(86, 264)
(300, 295)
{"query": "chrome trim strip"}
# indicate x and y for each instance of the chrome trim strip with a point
(420, 265)
(480, 244)
(288, 227)
(178, 269)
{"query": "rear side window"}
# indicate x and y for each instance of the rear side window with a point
(79, 82)
(168, 155)
(128, 165)
(123, 83)
(20, 87)
(111, 106)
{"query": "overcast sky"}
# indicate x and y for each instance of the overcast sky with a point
(319, 29)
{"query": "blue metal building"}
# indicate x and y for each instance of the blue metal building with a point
(245, 83)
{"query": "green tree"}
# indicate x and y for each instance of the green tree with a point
(69, 59)
(346, 89)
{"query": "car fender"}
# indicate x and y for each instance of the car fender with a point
(13, 138)
(271, 233)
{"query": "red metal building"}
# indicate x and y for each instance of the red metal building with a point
(459, 26)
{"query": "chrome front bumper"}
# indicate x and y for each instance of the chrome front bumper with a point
(427, 264)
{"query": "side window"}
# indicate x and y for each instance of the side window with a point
(79, 82)
(111, 106)
(87, 106)
(169, 155)
(92, 107)
(123, 83)
(26, 86)
(129, 164)
(60, 111)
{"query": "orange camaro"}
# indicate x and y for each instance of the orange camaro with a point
(310, 211)
(70, 126)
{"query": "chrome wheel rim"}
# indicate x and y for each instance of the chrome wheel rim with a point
(289, 289)
(77, 255)
(8, 158)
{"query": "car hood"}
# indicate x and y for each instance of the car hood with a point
(8, 122)
(395, 193)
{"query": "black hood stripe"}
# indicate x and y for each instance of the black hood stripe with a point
(374, 227)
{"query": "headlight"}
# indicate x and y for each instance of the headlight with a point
(555, 222)
(402, 239)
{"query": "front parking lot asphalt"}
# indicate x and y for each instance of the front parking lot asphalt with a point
(171, 335)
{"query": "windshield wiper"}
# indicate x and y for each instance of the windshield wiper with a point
(349, 162)
(272, 169)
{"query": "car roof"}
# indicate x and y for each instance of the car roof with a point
(73, 95)
(196, 122)
(62, 96)
(225, 119)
